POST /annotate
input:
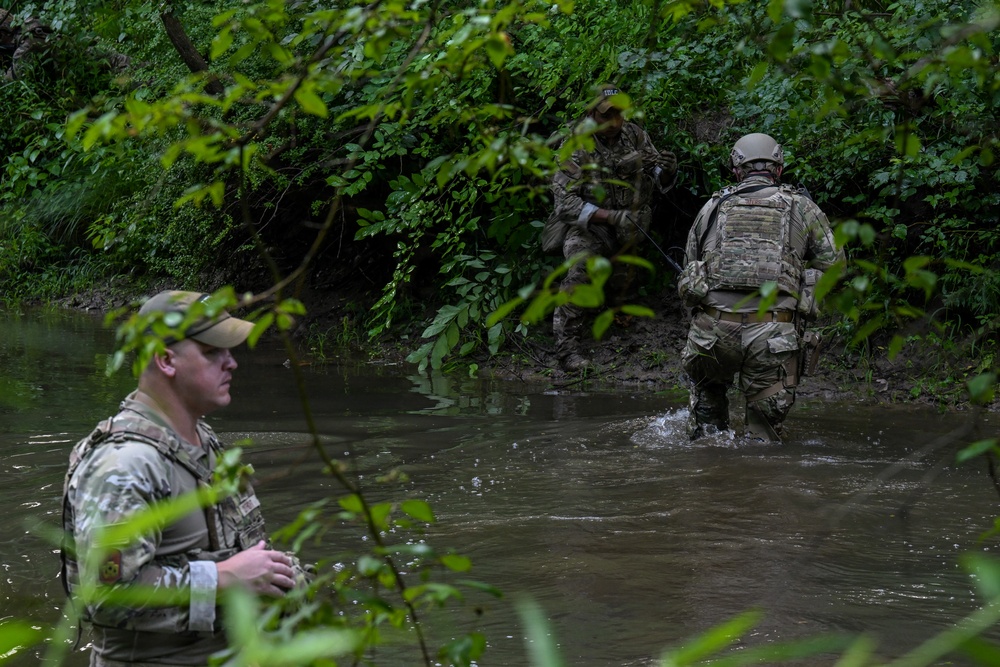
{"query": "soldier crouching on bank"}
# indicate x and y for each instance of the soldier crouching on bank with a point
(602, 205)
(753, 233)
(155, 449)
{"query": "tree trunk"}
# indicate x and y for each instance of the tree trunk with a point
(189, 54)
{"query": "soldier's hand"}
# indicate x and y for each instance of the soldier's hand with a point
(668, 163)
(261, 570)
(622, 218)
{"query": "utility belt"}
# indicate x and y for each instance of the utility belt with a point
(750, 318)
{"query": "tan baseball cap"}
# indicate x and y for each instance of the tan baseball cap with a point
(605, 98)
(223, 330)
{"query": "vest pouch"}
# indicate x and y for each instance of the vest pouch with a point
(807, 306)
(692, 285)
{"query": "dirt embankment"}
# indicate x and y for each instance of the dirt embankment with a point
(636, 352)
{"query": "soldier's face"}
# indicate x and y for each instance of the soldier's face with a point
(610, 121)
(203, 375)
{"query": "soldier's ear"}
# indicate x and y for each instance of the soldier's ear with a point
(165, 362)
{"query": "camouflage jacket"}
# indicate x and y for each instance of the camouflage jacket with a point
(810, 241)
(587, 181)
(128, 464)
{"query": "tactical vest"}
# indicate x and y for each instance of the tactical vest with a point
(234, 524)
(752, 243)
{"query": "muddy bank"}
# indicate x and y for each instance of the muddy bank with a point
(636, 353)
(644, 353)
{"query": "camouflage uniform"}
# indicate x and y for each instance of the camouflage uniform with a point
(129, 463)
(762, 351)
(579, 189)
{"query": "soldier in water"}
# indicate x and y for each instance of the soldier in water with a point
(155, 449)
(756, 232)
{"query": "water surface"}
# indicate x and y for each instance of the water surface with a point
(630, 537)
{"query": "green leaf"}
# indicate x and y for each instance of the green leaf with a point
(419, 510)
(310, 102)
(75, 122)
(379, 513)
(259, 327)
(587, 296)
(602, 322)
(976, 449)
(351, 503)
(497, 50)
(867, 329)
(456, 563)
(17, 635)
(986, 572)
(637, 261)
(896, 346)
(712, 641)
(540, 640)
(907, 141)
(464, 650)
(757, 74)
(638, 311)
(781, 44)
(221, 42)
(503, 311)
(982, 388)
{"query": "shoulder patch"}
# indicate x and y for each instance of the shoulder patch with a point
(111, 568)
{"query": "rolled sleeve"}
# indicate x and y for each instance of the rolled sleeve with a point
(204, 583)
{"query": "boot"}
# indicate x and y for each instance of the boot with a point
(574, 362)
(758, 428)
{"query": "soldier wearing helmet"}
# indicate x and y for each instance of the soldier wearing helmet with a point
(753, 239)
(602, 203)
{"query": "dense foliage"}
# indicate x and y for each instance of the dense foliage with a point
(408, 149)
(403, 151)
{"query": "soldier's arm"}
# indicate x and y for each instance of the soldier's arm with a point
(568, 205)
(693, 250)
(821, 249)
(661, 166)
(168, 595)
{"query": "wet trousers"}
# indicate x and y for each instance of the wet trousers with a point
(758, 355)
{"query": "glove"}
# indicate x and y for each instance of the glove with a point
(667, 161)
(623, 219)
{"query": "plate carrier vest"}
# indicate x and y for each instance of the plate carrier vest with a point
(752, 243)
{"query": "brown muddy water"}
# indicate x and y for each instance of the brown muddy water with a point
(593, 504)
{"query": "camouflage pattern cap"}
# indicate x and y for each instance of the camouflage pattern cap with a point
(609, 96)
(223, 330)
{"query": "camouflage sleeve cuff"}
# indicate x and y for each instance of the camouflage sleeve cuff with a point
(586, 213)
(204, 582)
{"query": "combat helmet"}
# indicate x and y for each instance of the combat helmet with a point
(754, 148)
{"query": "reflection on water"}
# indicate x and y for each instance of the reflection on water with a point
(631, 537)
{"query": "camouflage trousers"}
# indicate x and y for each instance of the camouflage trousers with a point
(758, 355)
(568, 320)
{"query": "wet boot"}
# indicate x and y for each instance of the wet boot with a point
(709, 410)
(759, 428)
(574, 362)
